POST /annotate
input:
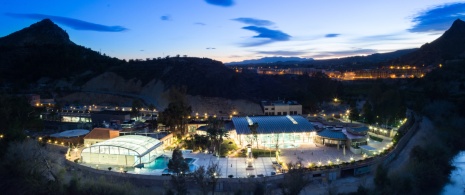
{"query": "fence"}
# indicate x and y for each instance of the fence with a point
(231, 184)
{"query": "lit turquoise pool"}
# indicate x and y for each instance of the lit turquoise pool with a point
(282, 145)
(162, 163)
(159, 163)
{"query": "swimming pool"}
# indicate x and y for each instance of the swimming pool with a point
(283, 145)
(162, 163)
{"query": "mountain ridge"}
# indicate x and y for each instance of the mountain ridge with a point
(270, 60)
(450, 45)
(40, 33)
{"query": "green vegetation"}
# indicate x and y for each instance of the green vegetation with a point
(295, 180)
(259, 153)
(439, 97)
(227, 147)
(177, 164)
(207, 177)
(175, 116)
(378, 139)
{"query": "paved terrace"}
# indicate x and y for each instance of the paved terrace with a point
(236, 166)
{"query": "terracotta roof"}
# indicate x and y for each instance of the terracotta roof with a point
(102, 133)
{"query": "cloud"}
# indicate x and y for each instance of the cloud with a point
(253, 21)
(282, 53)
(71, 22)
(331, 35)
(267, 36)
(200, 23)
(166, 18)
(223, 3)
(437, 18)
(210, 48)
(384, 37)
(344, 53)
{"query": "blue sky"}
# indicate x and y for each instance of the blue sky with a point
(234, 30)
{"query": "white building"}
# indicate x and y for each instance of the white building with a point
(281, 108)
(129, 150)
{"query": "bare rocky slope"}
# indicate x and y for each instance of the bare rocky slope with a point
(110, 88)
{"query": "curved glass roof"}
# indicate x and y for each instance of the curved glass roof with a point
(273, 124)
(361, 129)
(137, 143)
(332, 134)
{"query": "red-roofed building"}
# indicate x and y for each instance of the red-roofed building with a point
(99, 135)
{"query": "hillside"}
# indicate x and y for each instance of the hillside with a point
(267, 60)
(451, 45)
(45, 50)
(354, 62)
(202, 76)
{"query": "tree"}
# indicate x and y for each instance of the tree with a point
(177, 164)
(16, 115)
(253, 128)
(175, 115)
(381, 177)
(153, 122)
(201, 179)
(201, 142)
(367, 112)
(179, 183)
(295, 180)
(354, 114)
(136, 106)
(214, 172)
(207, 178)
(28, 168)
(216, 132)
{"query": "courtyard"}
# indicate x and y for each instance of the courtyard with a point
(307, 153)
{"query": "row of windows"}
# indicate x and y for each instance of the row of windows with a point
(283, 113)
(267, 108)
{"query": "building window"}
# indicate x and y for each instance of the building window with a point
(266, 108)
(284, 113)
(272, 108)
(279, 113)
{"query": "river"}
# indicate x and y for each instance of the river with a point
(457, 177)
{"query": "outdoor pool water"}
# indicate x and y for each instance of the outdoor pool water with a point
(162, 163)
(159, 163)
(285, 145)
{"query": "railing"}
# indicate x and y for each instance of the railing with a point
(411, 127)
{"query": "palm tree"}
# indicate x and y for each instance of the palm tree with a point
(152, 108)
(253, 129)
(216, 131)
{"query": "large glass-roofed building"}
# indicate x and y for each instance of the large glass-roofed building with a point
(129, 150)
(273, 130)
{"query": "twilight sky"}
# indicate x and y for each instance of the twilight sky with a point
(234, 30)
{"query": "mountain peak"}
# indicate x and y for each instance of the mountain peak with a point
(40, 33)
(448, 46)
(457, 27)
